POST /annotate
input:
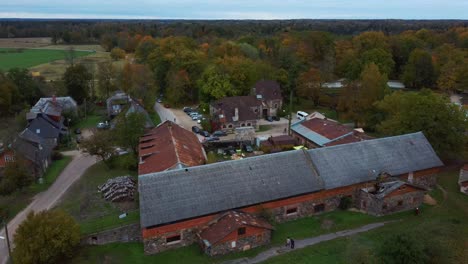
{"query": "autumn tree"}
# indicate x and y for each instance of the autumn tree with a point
(310, 85)
(117, 54)
(443, 124)
(100, 144)
(106, 78)
(77, 81)
(179, 87)
(419, 71)
(46, 237)
(15, 176)
(357, 98)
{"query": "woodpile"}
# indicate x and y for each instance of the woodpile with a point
(119, 189)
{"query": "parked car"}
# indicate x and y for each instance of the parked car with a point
(204, 133)
(159, 100)
(187, 110)
(219, 133)
(193, 113)
(196, 129)
(77, 131)
(196, 117)
(269, 119)
(209, 139)
(103, 125)
(248, 148)
(276, 118)
(229, 151)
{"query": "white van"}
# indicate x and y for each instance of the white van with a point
(301, 115)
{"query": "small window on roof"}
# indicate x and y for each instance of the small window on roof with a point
(38, 131)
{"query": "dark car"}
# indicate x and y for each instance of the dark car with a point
(248, 148)
(187, 110)
(77, 131)
(204, 133)
(212, 138)
(196, 129)
(276, 118)
(269, 119)
(229, 151)
(219, 133)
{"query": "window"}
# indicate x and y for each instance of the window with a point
(38, 131)
(224, 126)
(230, 126)
(319, 208)
(241, 231)
(400, 203)
(242, 125)
(291, 211)
(173, 239)
(276, 105)
(233, 244)
(248, 124)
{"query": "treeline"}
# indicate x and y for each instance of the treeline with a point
(91, 31)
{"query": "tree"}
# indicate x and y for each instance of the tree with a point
(215, 84)
(117, 54)
(106, 78)
(76, 79)
(443, 123)
(129, 129)
(382, 58)
(100, 144)
(357, 98)
(179, 87)
(46, 237)
(309, 85)
(15, 176)
(419, 71)
(30, 91)
(403, 249)
(7, 91)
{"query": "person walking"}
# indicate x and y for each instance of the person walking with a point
(288, 242)
(292, 243)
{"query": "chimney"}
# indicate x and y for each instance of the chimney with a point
(236, 114)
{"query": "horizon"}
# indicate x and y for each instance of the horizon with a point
(237, 10)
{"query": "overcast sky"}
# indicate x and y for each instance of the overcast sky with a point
(235, 9)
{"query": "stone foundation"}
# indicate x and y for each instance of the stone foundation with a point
(242, 244)
(390, 205)
(158, 244)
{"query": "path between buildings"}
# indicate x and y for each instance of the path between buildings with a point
(47, 199)
(276, 251)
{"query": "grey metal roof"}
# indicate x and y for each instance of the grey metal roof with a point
(184, 193)
(353, 163)
(309, 134)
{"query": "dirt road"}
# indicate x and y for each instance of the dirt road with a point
(51, 196)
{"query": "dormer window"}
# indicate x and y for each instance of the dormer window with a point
(38, 131)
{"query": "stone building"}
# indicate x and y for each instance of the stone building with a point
(176, 205)
(234, 231)
(390, 197)
(240, 111)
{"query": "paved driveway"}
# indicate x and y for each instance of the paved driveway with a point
(47, 199)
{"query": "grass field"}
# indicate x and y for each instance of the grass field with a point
(26, 58)
(444, 225)
(17, 201)
(87, 206)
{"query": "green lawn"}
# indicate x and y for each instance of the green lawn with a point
(90, 121)
(263, 128)
(87, 206)
(155, 117)
(25, 58)
(18, 200)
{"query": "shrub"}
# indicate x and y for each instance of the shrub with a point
(345, 203)
(57, 155)
(117, 54)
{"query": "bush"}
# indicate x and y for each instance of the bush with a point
(403, 249)
(125, 162)
(206, 125)
(117, 54)
(345, 203)
(57, 155)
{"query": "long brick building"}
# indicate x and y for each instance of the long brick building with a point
(178, 207)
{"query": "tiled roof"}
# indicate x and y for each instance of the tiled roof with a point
(169, 146)
(324, 132)
(227, 106)
(387, 188)
(270, 90)
(66, 103)
(231, 222)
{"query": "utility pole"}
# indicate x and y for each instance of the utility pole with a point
(8, 240)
